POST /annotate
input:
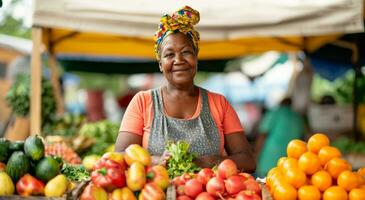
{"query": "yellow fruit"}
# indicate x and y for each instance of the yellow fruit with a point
(89, 161)
(327, 153)
(56, 187)
(322, 180)
(288, 163)
(357, 194)
(337, 165)
(295, 177)
(309, 163)
(348, 180)
(285, 191)
(6, 184)
(296, 148)
(335, 193)
(317, 141)
(309, 192)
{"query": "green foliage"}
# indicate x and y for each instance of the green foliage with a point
(18, 98)
(75, 172)
(347, 145)
(104, 132)
(14, 27)
(181, 161)
(341, 89)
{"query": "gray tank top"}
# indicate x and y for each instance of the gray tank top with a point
(200, 132)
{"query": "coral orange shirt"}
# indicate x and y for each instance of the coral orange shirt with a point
(139, 113)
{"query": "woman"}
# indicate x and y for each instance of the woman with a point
(179, 110)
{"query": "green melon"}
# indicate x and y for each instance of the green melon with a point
(34, 148)
(4, 150)
(47, 168)
(17, 166)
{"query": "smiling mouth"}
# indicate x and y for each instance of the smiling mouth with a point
(180, 70)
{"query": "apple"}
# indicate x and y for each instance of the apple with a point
(205, 175)
(183, 197)
(215, 186)
(235, 184)
(204, 196)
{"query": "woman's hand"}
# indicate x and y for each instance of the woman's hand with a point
(161, 160)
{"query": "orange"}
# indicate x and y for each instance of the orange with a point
(288, 163)
(295, 177)
(348, 180)
(309, 163)
(317, 141)
(281, 161)
(361, 179)
(335, 193)
(361, 171)
(272, 176)
(322, 180)
(309, 192)
(337, 165)
(326, 153)
(285, 191)
(296, 148)
(357, 194)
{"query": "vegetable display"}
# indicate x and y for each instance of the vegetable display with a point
(180, 161)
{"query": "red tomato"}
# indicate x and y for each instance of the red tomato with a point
(184, 197)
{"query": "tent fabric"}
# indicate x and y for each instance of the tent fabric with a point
(230, 29)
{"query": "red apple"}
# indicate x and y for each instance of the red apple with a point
(227, 168)
(215, 186)
(205, 175)
(247, 195)
(204, 196)
(185, 177)
(235, 184)
(177, 181)
(253, 186)
(193, 187)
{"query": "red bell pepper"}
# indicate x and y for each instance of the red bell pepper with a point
(108, 174)
(159, 175)
(152, 191)
(91, 192)
(28, 185)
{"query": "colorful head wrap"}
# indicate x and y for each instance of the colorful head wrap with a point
(182, 21)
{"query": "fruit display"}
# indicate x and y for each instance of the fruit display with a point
(226, 182)
(127, 176)
(26, 170)
(315, 170)
(62, 150)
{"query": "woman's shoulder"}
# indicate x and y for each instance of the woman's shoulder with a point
(143, 96)
(216, 97)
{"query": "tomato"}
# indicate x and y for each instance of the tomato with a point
(184, 197)
(123, 194)
(151, 191)
(135, 152)
(227, 168)
(193, 187)
(92, 192)
(136, 176)
(159, 175)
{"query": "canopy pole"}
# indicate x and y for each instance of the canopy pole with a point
(357, 68)
(55, 77)
(36, 82)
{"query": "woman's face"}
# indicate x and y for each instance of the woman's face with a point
(178, 60)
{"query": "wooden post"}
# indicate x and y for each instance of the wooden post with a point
(55, 83)
(36, 82)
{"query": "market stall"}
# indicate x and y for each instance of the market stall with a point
(124, 29)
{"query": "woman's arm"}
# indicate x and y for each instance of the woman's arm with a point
(238, 149)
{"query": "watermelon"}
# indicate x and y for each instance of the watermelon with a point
(47, 168)
(18, 165)
(4, 149)
(34, 148)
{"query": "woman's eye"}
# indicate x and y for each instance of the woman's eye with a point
(169, 55)
(186, 52)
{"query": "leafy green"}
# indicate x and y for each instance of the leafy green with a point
(180, 161)
(75, 172)
(347, 145)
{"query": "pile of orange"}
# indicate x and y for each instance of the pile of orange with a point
(315, 170)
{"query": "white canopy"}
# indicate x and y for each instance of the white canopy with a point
(220, 20)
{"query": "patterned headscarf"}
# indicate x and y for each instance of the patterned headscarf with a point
(182, 21)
